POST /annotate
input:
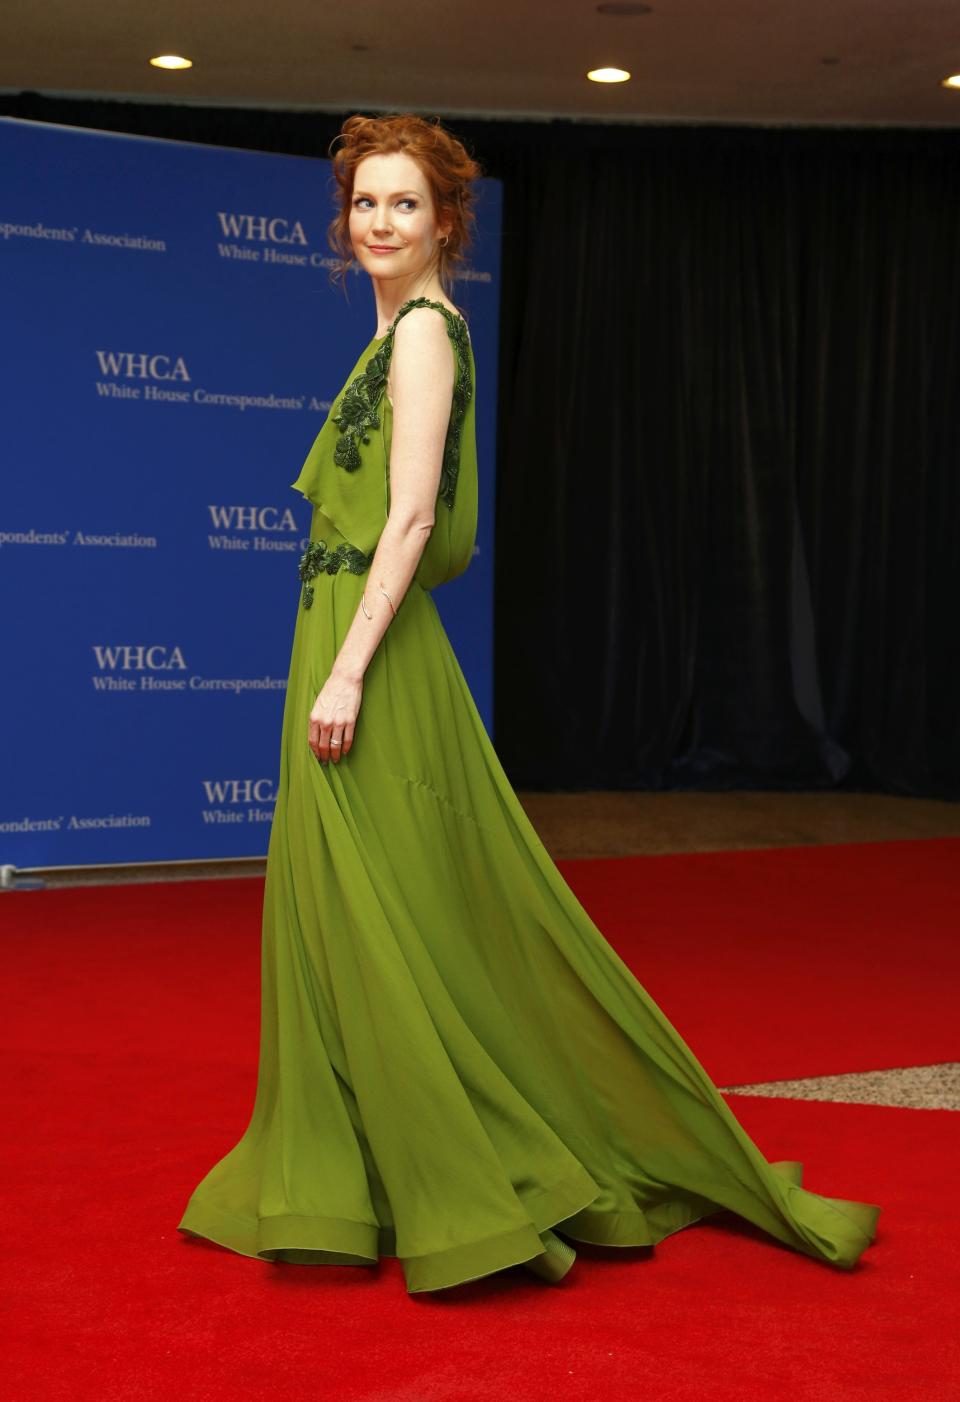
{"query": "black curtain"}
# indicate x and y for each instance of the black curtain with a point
(728, 478)
(728, 500)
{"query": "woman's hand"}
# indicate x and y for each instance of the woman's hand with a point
(334, 716)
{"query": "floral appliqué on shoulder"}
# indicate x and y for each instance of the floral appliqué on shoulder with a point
(359, 410)
(359, 406)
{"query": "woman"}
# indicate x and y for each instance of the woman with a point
(453, 1060)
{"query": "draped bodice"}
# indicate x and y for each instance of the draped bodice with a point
(346, 474)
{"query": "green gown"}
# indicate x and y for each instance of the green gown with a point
(453, 1060)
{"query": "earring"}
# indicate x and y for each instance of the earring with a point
(444, 240)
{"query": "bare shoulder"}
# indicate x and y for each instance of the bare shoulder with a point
(423, 322)
(421, 337)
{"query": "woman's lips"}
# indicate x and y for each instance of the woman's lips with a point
(382, 248)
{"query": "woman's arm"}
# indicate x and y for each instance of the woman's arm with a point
(422, 371)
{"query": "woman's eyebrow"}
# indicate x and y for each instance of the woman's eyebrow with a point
(391, 196)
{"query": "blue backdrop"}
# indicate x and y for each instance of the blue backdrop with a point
(172, 347)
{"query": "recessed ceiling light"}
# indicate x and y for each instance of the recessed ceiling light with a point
(608, 75)
(952, 82)
(171, 61)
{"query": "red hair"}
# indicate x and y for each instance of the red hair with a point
(445, 161)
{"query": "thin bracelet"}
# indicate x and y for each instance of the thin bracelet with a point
(363, 601)
(388, 598)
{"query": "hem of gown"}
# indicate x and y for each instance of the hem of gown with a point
(438, 1270)
(853, 1223)
(338, 1241)
(323, 1240)
(648, 1226)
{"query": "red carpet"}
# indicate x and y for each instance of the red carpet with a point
(130, 1037)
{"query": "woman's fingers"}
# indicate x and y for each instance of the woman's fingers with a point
(322, 737)
(313, 736)
(333, 721)
(320, 732)
(318, 738)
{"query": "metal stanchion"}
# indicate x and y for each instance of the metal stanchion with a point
(11, 881)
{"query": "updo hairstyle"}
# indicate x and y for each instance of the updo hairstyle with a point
(444, 161)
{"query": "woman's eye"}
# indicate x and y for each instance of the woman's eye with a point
(365, 199)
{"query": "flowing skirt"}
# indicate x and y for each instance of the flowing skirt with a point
(453, 1060)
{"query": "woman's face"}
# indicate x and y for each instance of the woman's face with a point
(393, 227)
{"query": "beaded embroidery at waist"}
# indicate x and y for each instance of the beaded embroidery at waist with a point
(321, 558)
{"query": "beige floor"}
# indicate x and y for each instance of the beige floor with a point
(625, 824)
